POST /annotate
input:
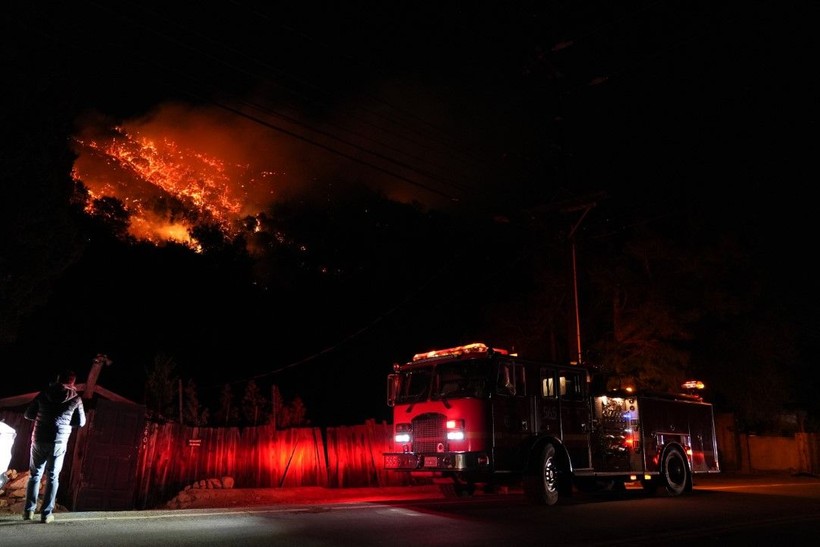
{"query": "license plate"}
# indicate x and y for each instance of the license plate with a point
(430, 461)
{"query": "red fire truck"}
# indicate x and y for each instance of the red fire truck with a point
(476, 415)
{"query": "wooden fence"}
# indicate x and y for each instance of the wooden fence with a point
(173, 457)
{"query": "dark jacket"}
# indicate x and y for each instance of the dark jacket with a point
(54, 410)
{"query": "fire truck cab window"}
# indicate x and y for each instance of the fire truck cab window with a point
(548, 385)
(570, 386)
(512, 379)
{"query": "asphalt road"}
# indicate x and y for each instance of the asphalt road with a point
(208, 498)
(757, 509)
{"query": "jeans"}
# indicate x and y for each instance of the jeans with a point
(46, 457)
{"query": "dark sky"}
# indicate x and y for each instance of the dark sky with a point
(481, 109)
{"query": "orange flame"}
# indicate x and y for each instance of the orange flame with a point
(169, 186)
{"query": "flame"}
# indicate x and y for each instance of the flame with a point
(180, 167)
(169, 185)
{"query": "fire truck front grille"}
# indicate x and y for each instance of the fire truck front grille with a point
(428, 433)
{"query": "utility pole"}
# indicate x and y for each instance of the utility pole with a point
(584, 204)
(586, 208)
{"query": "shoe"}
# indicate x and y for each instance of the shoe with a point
(48, 518)
(28, 515)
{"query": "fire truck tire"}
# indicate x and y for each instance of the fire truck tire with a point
(542, 485)
(675, 472)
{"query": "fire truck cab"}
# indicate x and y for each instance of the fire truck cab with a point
(476, 415)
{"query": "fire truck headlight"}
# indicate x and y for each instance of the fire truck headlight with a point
(402, 433)
(455, 430)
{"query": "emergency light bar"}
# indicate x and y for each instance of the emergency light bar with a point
(477, 347)
(693, 384)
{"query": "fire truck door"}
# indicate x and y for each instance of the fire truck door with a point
(575, 417)
(512, 418)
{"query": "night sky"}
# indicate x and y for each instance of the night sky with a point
(407, 157)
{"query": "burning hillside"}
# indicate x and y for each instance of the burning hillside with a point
(176, 170)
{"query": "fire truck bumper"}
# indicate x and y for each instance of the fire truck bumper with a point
(402, 461)
(437, 462)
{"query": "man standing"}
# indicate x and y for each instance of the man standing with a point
(54, 411)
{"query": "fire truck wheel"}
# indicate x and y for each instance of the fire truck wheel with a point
(542, 486)
(675, 472)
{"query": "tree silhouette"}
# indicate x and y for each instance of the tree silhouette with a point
(254, 410)
(111, 213)
(291, 413)
(228, 413)
(298, 413)
(192, 413)
(160, 387)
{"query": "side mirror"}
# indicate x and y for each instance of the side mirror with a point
(392, 389)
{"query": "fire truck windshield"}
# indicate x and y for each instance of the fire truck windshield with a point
(442, 381)
(461, 379)
(413, 386)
